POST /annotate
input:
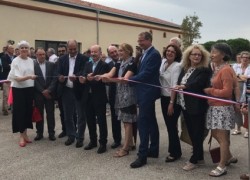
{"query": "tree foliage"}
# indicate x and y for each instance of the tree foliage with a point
(238, 45)
(191, 29)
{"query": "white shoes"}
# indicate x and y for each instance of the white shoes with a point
(236, 132)
(246, 135)
(189, 166)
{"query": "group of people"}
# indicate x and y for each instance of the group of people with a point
(79, 85)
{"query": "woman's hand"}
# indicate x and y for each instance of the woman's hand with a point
(170, 109)
(105, 79)
(244, 109)
(33, 77)
(207, 90)
(180, 87)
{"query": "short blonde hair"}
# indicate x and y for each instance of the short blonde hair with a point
(186, 63)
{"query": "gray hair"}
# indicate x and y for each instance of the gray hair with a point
(176, 40)
(51, 50)
(23, 43)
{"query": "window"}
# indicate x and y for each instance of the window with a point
(52, 44)
(164, 35)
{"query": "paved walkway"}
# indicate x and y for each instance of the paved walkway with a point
(53, 160)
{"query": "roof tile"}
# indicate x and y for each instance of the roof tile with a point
(121, 12)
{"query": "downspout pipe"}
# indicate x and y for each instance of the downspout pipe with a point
(97, 26)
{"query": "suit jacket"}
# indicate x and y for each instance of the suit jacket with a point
(196, 82)
(63, 69)
(6, 61)
(97, 88)
(148, 72)
(50, 82)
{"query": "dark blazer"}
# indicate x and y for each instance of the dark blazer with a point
(98, 88)
(63, 69)
(148, 72)
(196, 82)
(6, 61)
(50, 82)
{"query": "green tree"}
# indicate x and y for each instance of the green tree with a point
(191, 29)
(208, 45)
(238, 45)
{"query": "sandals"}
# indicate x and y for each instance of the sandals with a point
(132, 148)
(231, 160)
(121, 153)
(218, 171)
(236, 132)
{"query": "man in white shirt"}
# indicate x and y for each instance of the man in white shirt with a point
(51, 54)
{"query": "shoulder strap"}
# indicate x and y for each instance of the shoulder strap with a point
(210, 141)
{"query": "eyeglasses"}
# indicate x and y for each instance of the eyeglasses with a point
(61, 51)
(173, 52)
(199, 55)
(245, 57)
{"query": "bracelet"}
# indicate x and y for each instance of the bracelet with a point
(171, 102)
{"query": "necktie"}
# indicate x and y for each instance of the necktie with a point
(93, 67)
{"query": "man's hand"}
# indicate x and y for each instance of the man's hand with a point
(61, 78)
(82, 79)
(46, 94)
(72, 78)
(90, 77)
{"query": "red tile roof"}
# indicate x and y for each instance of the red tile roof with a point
(121, 12)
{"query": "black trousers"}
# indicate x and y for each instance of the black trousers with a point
(174, 147)
(60, 106)
(49, 105)
(22, 109)
(96, 114)
(195, 126)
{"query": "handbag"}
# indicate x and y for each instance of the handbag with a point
(36, 115)
(184, 133)
(215, 152)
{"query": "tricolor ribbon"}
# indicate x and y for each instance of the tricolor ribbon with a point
(161, 87)
(187, 93)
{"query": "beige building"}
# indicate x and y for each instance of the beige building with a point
(48, 23)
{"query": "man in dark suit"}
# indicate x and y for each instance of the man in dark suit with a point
(61, 50)
(97, 99)
(74, 94)
(6, 62)
(148, 72)
(45, 85)
(116, 124)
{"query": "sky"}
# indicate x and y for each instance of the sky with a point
(222, 19)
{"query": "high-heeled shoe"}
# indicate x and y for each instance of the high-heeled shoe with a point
(28, 141)
(22, 144)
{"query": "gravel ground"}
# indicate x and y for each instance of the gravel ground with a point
(53, 160)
